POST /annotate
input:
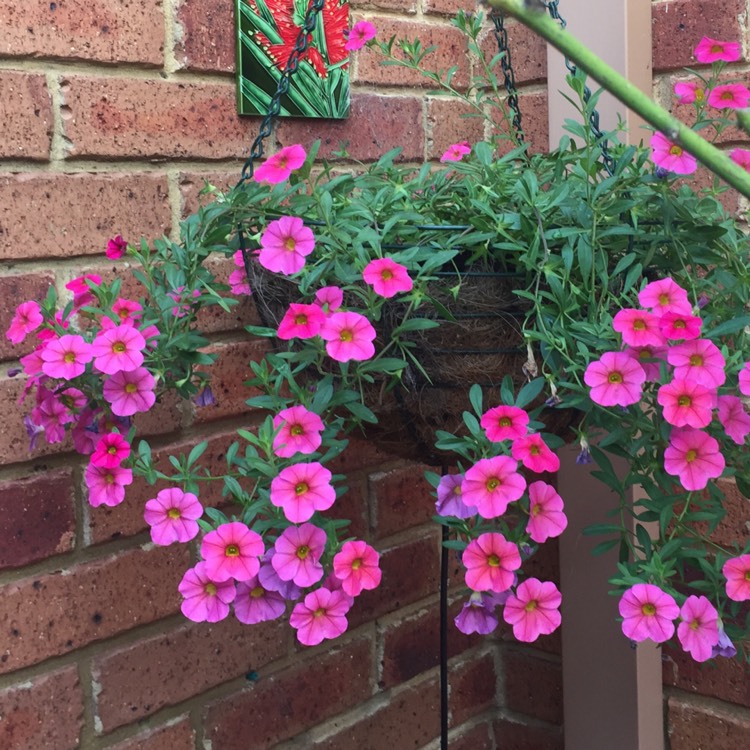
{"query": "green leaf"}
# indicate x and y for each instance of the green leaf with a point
(475, 397)
(529, 392)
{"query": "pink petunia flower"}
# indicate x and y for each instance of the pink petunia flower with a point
(533, 610)
(110, 450)
(490, 560)
(204, 599)
(449, 500)
(504, 423)
(297, 554)
(285, 244)
(642, 355)
(52, 416)
(119, 349)
(348, 335)
(638, 327)
(693, 457)
(615, 379)
(648, 612)
(116, 247)
(699, 360)
(546, 517)
(279, 167)
(301, 322)
(456, 151)
(269, 579)
(73, 399)
(81, 291)
(302, 489)
(534, 454)
(678, 325)
(698, 632)
(687, 403)
(688, 92)
(299, 431)
(734, 419)
(184, 300)
(322, 615)
(238, 283)
(130, 392)
(670, 156)
(329, 298)
(173, 516)
(387, 277)
(232, 551)
(127, 311)
(356, 566)
(27, 318)
(737, 572)
(254, 604)
(478, 613)
(711, 50)
(84, 433)
(744, 379)
(663, 296)
(359, 35)
(107, 486)
(729, 96)
(741, 157)
(491, 484)
(66, 357)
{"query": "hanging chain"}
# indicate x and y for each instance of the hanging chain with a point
(501, 35)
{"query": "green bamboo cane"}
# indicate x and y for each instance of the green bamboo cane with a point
(632, 97)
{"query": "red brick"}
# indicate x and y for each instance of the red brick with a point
(65, 215)
(179, 736)
(472, 688)
(207, 38)
(13, 291)
(512, 736)
(125, 117)
(26, 114)
(678, 26)
(448, 7)
(46, 712)
(402, 6)
(534, 113)
(38, 519)
(361, 453)
(291, 701)
(53, 614)
(214, 319)
(477, 738)
(353, 506)
(735, 525)
(166, 415)
(448, 124)
(141, 679)
(376, 125)
(533, 686)
(703, 179)
(191, 184)
(528, 53)
(692, 725)
(402, 498)
(104, 30)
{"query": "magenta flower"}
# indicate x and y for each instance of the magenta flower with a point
(269, 579)
(533, 610)
(238, 283)
(285, 244)
(670, 156)
(534, 454)
(299, 431)
(126, 310)
(504, 423)
(663, 296)
(173, 516)
(456, 151)
(546, 517)
(184, 299)
(302, 489)
(110, 450)
(232, 551)
(297, 554)
(642, 355)
(130, 392)
(698, 632)
(688, 92)
(734, 419)
(478, 613)
(356, 566)
(81, 291)
(387, 277)
(84, 434)
(254, 604)
(449, 500)
(491, 484)
(301, 322)
(687, 403)
(320, 616)
(693, 457)
(73, 399)
(698, 360)
(359, 35)
(638, 328)
(66, 357)
(648, 612)
(348, 335)
(205, 600)
(116, 247)
(737, 572)
(329, 298)
(52, 416)
(741, 157)
(119, 349)
(729, 96)
(107, 486)
(743, 378)
(615, 379)
(279, 167)
(711, 50)
(490, 561)
(28, 317)
(677, 325)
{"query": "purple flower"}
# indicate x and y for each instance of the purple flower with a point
(205, 397)
(724, 647)
(584, 457)
(478, 614)
(33, 430)
(449, 502)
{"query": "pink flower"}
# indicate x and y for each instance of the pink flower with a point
(360, 34)
(490, 561)
(107, 486)
(638, 328)
(615, 380)
(729, 96)
(534, 454)
(329, 298)
(297, 554)
(255, 604)
(28, 317)
(269, 579)
(711, 50)
(737, 572)
(285, 244)
(670, 156)
(73, 398)
(126, 310)
(688, 92)
(693, 457)
(491, 484)
(205, 600)
(232, 551)
(743, 378)
(533, 610)
(663, 296)
(678, 325)
(348, 335)
(116, 247)
(648, 612)
(456, 151)
(387, 277)
(299, 431)
(66, 357)
(504, 423)
(52, 415)
(687, 403)
(118, 349)
(699, 630)
(84, 434)
(279, 167)
(356, 566)
(641, 354)
(734, 419)
(321, 615)
(449, 500)
(173, 516)
(699, 360)
(110, 451)
(302, 489)
(184, 300)
(81, 291)
(301, 322)
(741, 156)
(546, 517)
(130, 392)
(238, 283)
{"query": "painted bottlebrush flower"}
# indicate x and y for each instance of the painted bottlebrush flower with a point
(729, 96)
(299, 431)
(677, 325)
(173, 516)
(285, 244)
(118, 349)
(130, 392)
(329, 298)
(504, 423)
(449, 500)
(66, 357)
(734, 419)
(254, 604)
(712, 50)
(348, 335)
(663, 296)
(699, 360)
(698, 632)
(741, 157)
(107, 486)
(534, 454)
(322, 615)
(302, 489)
(387, 277)
(297, 554)
(638, 327)
(356, 566)
(688, 92)
(232, 551)
(491, 484)
(279, 167)
(546, 517)
(644, 355)
(615, 379)
(687, 403)
(116, 247)
(204, 599)
(110, 450)
(670, 156)
(359, 35)
(27, 318)
(533, 610)
(648, 612)
(490, 560)
(456, 151)
(301, 322)
(737, 572)
(478, 613)
(693, 457)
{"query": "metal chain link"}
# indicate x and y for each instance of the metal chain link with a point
(501, 35)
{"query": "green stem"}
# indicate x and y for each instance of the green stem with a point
(627, 93)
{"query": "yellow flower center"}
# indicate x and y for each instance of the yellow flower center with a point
(109, 478)
(210, 589)
(684, 401)
(303, 552)
(645, 354)
(290, 244)
(535, 450)
(232, 550)
(131, 388)
(663, 299)
(691, 455)
(696, 360)
(532, 605)
(492, 484)
(386, 275)
(118, 347)
(493, 561)
(675, 150)
(173, 513)
(301, 488)
(717, 49)
(747, 575)
(615, 377)
(505, 422)
(346, 335)
(357, 564)
(536, 510)
(727, 96)
(694, 624)
(301, 320)
(297, 430)
(648, 609)
(69, 357)
(112, 450)
(679, 324)
(639, 325)
(319, 612)
(700, 95)
(257, 592)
